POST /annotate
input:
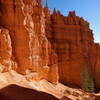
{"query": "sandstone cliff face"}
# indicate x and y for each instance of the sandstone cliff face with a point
(73, 42)
(5, 50)
(25, 47)
(97, 67)
(6, 61)
(30, 48)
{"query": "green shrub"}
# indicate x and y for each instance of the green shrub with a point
(87, 80)
(98, 76)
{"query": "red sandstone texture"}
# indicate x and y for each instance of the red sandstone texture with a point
(23, 48)
(70, 43)
(73, 41)
(65, 98)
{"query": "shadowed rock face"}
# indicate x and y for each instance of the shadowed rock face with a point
(65, 98)
(15, 92)
(3, 97)
(74, 44)
(97, 98)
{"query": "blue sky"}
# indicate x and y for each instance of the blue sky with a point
(88, 9)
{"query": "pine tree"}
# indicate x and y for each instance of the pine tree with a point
(87, 80)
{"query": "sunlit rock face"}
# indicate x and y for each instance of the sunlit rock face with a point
(36, 43)
(6, 60)
(12, 19)
(31, 50)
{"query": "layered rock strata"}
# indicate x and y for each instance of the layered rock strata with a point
(30, 48)
(73, 42)
(38, 43)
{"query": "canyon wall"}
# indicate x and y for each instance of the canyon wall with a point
(30, 48)
(73, 41)
(97, 66)
(6, 60)
(39, 44)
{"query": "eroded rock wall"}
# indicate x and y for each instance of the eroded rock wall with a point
(69, 47)
(5, 50)
(32, 54)
(73, 41)
(97, 67)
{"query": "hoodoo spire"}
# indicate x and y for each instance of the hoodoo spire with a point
(46, 3)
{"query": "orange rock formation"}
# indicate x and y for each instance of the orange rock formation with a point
(73, 42)
(29, 46)
(43, 43)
